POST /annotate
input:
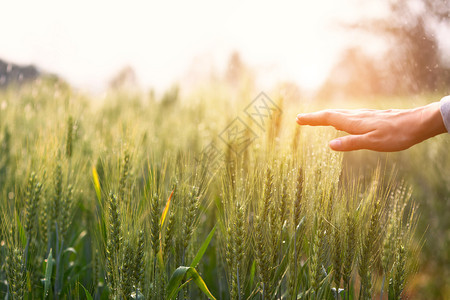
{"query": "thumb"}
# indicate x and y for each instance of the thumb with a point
(350, 142)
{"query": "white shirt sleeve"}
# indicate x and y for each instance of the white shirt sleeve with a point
(445, 112)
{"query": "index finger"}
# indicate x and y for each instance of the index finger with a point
(337, 118)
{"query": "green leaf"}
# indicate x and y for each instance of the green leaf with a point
(186, 273)
(70, 251)
(202, 249)
(88, 295)
(97, 185)
(252, 273)
(166, 209)
(48, 273)
(77, 241)
(159, 258)
(175, 280)
(192, 273)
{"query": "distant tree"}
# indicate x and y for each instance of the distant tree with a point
(235, 69)
(414, 59)
(289, 91)
(125, 79)
(170, 97)
(14, 74)
(238, 75)
(414, 56)
(355, 74)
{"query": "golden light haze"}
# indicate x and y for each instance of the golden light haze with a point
(86, 42)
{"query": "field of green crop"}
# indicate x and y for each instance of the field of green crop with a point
(213, 194)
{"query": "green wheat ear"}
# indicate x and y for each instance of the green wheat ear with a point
(114, 246)
(398, 277)
(69, 138)
(139, 261)
(236, 241)
(230, 259)
(33, 195)
(189, 219)
(44, 220)
(155, 224)
(66, 211)
(337, 254)
(127, 271)
(350, 244)
(315, 256)
(170, 231)
(367, 252)
(298, 198)
(115, 234)
(268, 193)
(57, 198)
(125, 168)
(15, 273)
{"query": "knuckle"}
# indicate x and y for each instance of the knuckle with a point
(377, 140)
(350, 142)
(326, 115)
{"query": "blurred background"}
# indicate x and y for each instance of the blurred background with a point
(350, 46)
(325, 53)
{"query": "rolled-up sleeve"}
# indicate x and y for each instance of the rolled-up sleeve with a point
(445, 112)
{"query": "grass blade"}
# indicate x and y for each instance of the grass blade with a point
(252, 274)
(280, 271)
(166, 209)
(48, 273)
(175, 280)
(192, 273)
(97, 187)
(202, 249)
(186, 273)
(88, 295)
(22, 236)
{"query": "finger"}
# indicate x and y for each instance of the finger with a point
(341, 121)
(321, 118)
(351, 142)
(354, 111)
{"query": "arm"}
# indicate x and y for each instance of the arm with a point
(382, 130)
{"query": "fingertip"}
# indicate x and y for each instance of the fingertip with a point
(336, 145)
(302, 119)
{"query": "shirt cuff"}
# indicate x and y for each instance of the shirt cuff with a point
(445, 112)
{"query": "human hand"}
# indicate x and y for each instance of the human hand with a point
(379, 130)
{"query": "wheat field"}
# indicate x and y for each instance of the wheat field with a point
(194, 197)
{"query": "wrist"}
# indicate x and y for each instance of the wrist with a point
(432, 121)
(445, 112)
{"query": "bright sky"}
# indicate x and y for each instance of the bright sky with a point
(87, 42)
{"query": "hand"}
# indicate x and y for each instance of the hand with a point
(379, 130)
